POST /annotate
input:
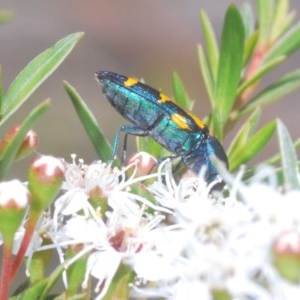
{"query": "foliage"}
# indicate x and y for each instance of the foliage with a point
(232, 70)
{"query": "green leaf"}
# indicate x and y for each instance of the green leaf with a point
(32, 76)
(280, 16)
(288, 158)
(75, 272)
(12, 148)
(39, 262)
(254, 145)
(98, 139)
(249, 47)
(287, 44)
(206, 74)
(275, 159)
(229, 69)
(248, 19)
(82, 296)
(211, 44)
(265, 10)
(51, 280)
(119, 287)
(34, 292)
(180, 93)
(40, 290)
(244, 133)
(284, 86)
(263, 70)
(149, 145)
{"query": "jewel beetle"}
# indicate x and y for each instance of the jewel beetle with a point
(154, 114)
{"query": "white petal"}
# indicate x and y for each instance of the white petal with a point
(152, 267)
(103, 266)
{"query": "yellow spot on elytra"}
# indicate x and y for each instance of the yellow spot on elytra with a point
(196, 119)
(180, 120)
(163, 98)
(130, 81)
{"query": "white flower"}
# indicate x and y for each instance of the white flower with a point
(119, 239)
(125, 233)
(222, 243)
(186, 242)
(81, 181)
(85, 181)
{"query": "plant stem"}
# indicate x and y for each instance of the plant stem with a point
(6, 271)
(24, 245)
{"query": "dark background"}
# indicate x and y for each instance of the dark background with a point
(148, 39)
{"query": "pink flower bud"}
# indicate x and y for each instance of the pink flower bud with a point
(286, 254)
(13, 194)
(45, 178)
(28, 145)
(145, 162)
(14, 198)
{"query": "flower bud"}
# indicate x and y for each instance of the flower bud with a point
(145, 162)
(286, 255)
(220, 294)
(28, 145)
(14, 198)
(45, 178)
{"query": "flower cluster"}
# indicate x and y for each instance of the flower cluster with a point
(98, 211)
(178, 239)
(185, 241)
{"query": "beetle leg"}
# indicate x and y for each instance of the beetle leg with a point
(137, 131)
(128, 129)
(124, 154)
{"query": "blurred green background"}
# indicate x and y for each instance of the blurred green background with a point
(145, 38)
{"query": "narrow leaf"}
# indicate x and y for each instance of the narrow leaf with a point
(265, 18)
(267, 67)
(248, 19)
(149, 145)
(39, 262)
(280, 14)
(249, 47)
(288, 158)
(119, 287)
(98, 139)
(51, 280)
(75, 273)
(32, 76)
(33, 292)
(287, 44)
(244, 133)
(229, 69)
(180, 93)
(284, 86)
(275, 159)
(208, 81)
(255, 144)
(211, 44)
(12, 148)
